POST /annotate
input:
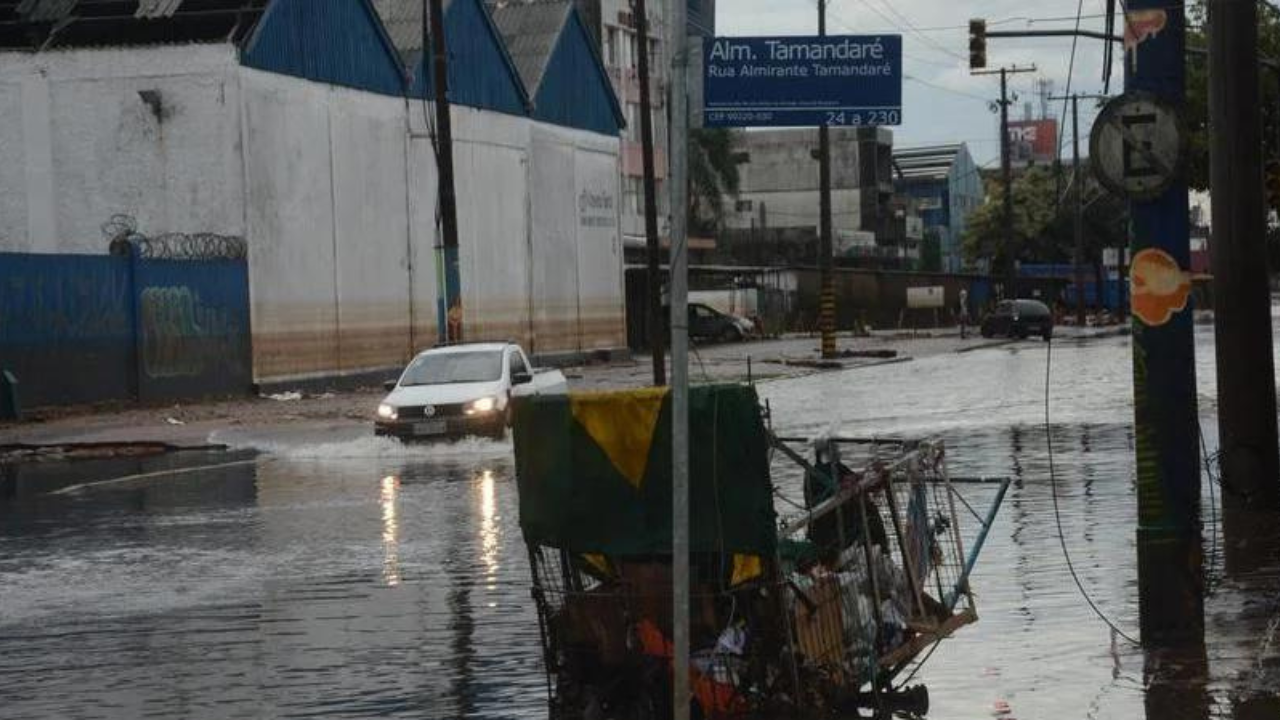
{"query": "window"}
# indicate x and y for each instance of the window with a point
(745, 206)
(611, 47)
(516, 364)
(453, 367)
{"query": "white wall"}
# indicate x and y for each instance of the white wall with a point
(576, 268)
(334, 191)
(78, 144)
(490, 159)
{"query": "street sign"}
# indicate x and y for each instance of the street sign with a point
(834, 80)
(1137, 146)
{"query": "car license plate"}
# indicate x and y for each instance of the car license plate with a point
(430, 427)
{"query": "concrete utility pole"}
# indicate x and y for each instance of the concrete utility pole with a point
(1078, 174)
(1078, 182)
(1242, 298)
(449, 313)
(678, 180)
(826, 253)
(652, 249)
(1006, 177)
(1006, 170)
(1170, 560)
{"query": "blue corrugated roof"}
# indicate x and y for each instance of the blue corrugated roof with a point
(560, 65)
(481, 73)
(341, 42)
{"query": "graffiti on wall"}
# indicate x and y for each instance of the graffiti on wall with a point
(41, 301)
(183, 337)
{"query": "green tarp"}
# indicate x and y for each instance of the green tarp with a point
(584, 489)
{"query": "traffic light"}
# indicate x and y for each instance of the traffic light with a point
(977, 44)
(1273, 185)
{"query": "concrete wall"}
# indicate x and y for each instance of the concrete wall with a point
(79, 143)
(782, 175)
(334, 191)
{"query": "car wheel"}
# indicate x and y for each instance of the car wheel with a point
(985, 331)
(730, 334)
(1020, 333)
(1047, 335)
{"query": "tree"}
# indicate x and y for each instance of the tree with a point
(713, 176)
(1034, 209)
(1044, 221)
(1197, 110)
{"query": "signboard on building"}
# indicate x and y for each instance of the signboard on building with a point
(914, 228)
(926, 297)
(801, 81)
(929, 203)
(855, 242)
(1033, 142)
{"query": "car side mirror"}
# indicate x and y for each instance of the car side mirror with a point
(389, 385)
(521, 378)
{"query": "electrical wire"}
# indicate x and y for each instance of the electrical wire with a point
(1057, 514)
(1071, 68)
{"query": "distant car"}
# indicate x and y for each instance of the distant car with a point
(462, 390)
(1020, 319)
(707, 323)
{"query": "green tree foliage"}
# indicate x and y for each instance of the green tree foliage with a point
(713, 176)
(1044, 222)
(1197, 111)
(1034, 208)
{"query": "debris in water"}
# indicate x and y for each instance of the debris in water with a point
(284, 396)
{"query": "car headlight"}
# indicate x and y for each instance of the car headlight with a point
(483, 405)
(387, 412)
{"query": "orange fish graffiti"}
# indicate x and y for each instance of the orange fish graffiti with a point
(1160, 287)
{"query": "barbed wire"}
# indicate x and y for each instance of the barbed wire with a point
(122, 230)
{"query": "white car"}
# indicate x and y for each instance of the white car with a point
(462, 390)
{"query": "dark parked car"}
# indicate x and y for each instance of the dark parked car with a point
(1020, 319)
(707, 323)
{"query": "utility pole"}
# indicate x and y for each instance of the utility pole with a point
(1242, 299)
(1078, 175)
(678, 180)
(449, 313)
(826, 253)
(1166, 442)
(1006, 169)
(1006, 177)
(652, 250)
(1078, 182)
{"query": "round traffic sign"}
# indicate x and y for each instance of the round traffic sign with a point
(1137, 146)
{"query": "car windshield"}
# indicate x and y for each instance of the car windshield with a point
(454, 367)
(1032, 308)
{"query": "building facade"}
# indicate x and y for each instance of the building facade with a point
(946, 186)
(619, 48)
(779, 195)
(305, 131)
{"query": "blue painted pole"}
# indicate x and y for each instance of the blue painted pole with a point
(1170, 562)
(976, 550)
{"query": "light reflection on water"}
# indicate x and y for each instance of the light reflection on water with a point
(396, 583)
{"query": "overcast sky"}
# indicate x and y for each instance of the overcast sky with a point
(941, 101)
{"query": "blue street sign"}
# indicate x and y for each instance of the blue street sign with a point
(802, 81)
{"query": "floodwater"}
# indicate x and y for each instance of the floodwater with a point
(353, 577)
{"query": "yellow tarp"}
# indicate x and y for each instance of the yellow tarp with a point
(622, 424)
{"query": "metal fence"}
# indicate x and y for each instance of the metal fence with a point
(91, 328)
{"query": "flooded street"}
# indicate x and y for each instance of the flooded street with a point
(354, 577)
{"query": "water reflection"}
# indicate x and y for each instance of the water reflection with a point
(490, 532)
(390, 531)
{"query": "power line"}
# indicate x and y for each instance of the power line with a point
(944, 88)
